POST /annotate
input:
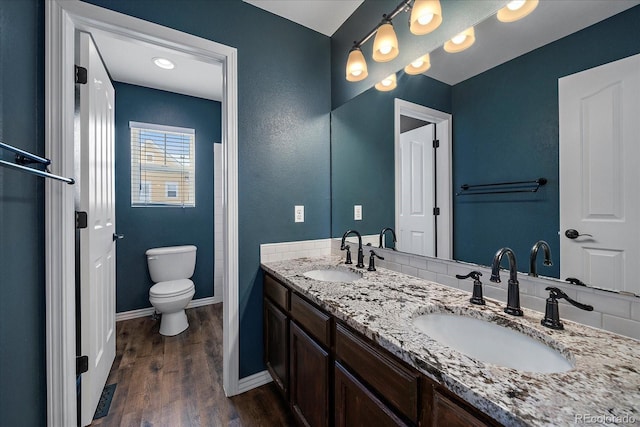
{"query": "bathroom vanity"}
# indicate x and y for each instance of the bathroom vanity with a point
(344, 350)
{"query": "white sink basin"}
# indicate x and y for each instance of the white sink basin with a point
(491, 343)
(333, 275)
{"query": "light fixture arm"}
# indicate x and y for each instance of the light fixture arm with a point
(404, 6)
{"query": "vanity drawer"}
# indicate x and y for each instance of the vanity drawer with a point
(314, 321)
(395, 383)
(276, 292)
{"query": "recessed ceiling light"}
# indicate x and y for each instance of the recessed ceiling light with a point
(164, 63)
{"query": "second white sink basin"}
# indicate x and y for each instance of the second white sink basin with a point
(333, 275)
(491, 343)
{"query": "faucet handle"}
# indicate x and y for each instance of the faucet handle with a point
(551, 312)
(348, 249)
(476, 297)
(475, 275)
(372, 264)
(575, 281)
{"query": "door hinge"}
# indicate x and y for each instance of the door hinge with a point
(436, 211)
(436, 143)
(81, 219)
(82, 364)
(81, 75)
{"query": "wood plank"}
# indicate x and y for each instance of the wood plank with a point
(177, 381)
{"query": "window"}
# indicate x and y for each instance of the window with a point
(172, 189)
(162, 165)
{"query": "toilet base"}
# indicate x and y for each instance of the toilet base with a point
(173, 323)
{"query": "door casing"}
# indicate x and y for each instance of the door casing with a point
(62, 19)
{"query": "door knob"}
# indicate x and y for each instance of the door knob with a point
(117, 236)
(572, 234)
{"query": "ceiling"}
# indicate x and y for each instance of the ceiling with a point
(131, 61)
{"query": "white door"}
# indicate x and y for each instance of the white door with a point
(416, 227)
(97, 246)
(600, 175)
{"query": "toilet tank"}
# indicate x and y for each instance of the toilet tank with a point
(171, 262)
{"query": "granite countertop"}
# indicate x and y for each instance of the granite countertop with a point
(602, 389)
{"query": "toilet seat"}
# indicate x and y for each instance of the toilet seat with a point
(171, 288)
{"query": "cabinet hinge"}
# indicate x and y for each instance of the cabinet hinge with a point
(82, 364)
(436, 211)
(81, 75)
(436, 143)
(81, 219)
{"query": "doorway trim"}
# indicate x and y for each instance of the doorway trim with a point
(62, 19)
(443, 159)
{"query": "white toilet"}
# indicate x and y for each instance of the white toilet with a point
(170, 269)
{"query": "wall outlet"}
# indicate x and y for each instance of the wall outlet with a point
(298, 213)
(357, 212)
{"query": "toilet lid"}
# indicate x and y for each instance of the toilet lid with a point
(171, 288)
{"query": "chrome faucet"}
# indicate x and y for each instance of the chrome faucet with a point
(360, 263)
(513, 289)
(393, 233)
(534, 253)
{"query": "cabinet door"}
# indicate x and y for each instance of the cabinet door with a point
(447, 413)
(356, 406)
(276, 345)
(309, 373)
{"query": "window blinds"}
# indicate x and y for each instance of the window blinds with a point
(162, 165)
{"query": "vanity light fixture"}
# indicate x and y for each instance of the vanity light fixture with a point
(387, 84)
(426, 16)
(385, 45)
(356, 66)
(418, 66)
(516, 9)
(163, 63)
(461, 41)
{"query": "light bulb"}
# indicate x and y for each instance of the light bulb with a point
(387, 82)
(516, 9)
(425, 19)
(356, 72)
(385, 48)
(426, 16)
(417, 63)
(385, 45)
(515, 4)
(460, 38)
(461, 41)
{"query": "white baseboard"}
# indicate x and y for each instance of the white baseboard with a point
(144, 312)
(254, 381)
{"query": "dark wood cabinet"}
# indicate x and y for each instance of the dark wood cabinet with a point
(309, 379)
(333, 375)
(395, 383)
(356, 406)
(276, 345)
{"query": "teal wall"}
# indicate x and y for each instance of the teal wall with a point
(22, 305)
(283, 124)
(154, 227)
(283, 132)
(505, 127)
(362, 170)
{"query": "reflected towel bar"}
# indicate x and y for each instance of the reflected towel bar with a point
(502, 187)
(24, 158)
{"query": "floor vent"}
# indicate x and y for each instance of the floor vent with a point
(105, 401)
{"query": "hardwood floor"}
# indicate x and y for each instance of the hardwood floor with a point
(177, 381)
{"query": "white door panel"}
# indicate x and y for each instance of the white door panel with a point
(599, 175)
(97, 247)
(416, 225)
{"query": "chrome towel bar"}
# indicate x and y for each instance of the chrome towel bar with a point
(23, 158)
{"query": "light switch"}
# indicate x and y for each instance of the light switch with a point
(299, 213)
(357, 212)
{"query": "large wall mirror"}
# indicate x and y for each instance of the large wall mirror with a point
(504, 107)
